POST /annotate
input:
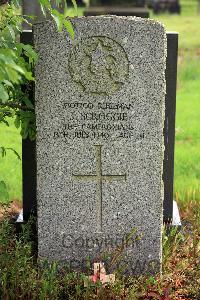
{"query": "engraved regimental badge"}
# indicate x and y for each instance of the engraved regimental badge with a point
(99, 65)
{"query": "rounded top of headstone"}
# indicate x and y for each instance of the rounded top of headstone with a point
(132, 19)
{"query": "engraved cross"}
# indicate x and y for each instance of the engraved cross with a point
(99, 178)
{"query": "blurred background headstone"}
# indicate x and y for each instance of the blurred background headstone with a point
(138, 3)
(136, 8)
(160, 6)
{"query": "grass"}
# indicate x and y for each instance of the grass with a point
(186, 25)
(187, 148)
(23, 278)
(10, 166)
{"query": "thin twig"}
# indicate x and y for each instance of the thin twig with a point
(16, 106)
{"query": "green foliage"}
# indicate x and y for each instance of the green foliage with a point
(17, 62)
(23, 277)
(59, 18)
(17, 272)
(172, 239)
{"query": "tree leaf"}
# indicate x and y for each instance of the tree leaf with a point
(43, 9)
(69, 27)
(4, 121)
(29, 75)
(8, 53)
(17, 68)
(17, 122)
(29, 51)
(8, 83)
(28, 102)
(75, 6)
(32, 134)
(12, 32)
(13, 75)
(3, 94)
(45, 4)
(58, 20)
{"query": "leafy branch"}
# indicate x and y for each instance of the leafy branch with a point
(17, 62)
(59, 18)
(14, 105)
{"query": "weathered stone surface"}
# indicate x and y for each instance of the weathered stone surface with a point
(100, 116)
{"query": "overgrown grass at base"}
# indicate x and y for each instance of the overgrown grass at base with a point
(23, 278)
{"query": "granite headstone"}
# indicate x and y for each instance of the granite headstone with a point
(100, 103)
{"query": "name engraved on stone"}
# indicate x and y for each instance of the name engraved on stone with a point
(104, 106)
(99, 178)
(93, 120)
(99, 65)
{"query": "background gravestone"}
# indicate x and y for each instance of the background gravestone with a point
(117, 7)
(100, 117)
(160, 6)
(139, 3)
